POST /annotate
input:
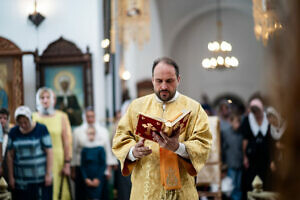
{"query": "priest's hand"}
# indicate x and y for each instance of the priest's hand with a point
(170, 143)
(140, 150)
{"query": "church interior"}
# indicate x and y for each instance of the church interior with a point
(99, 53)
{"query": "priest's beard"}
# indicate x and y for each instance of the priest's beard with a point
(164, 97)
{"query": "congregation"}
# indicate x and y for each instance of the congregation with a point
(70, 129)
(42, 155)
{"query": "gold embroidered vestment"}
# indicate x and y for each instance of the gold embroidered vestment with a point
(146, 180)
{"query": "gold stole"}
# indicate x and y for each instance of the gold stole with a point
(169, 170)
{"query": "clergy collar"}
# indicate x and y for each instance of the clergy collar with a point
(255, 128)
(171, 100)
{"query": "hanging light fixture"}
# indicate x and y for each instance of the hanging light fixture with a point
(133, 20)
(134, 7)
(266, 21)
(220, 49)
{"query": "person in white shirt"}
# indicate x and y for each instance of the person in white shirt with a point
(80, 140)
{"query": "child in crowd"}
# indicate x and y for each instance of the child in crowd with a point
(93, 166)
(232, 140)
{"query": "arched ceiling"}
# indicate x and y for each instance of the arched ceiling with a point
(175, 14)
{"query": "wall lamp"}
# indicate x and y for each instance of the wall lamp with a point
(36, 18)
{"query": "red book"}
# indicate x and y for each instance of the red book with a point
(147, 125)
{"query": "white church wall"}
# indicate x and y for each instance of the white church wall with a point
(139, 61)
(75, 20)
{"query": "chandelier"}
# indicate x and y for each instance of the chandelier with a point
(133, 21)
(266, 21)
(220, 50)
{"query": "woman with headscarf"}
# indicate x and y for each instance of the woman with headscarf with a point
(29, 158)
(277, 128)
(256, 145)
(59, 128)
(277, 123)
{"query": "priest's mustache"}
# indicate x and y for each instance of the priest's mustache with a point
(164, 91)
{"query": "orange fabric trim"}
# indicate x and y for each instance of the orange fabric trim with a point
(169, 170)
(188, 166)
(128, 167)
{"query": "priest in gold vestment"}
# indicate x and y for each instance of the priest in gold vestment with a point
(163, 169)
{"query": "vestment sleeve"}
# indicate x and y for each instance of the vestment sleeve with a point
(123, 141)
(197, 142)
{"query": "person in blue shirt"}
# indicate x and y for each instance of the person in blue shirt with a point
(29, 158)
(232, 147)
(93, 166)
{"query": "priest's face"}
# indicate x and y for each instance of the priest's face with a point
(165, 81)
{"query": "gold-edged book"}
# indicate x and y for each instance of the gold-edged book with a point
(147, 124)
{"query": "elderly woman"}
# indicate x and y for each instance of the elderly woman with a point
(277, 129)
(29, 158)
(60, 131)
(277, 123)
